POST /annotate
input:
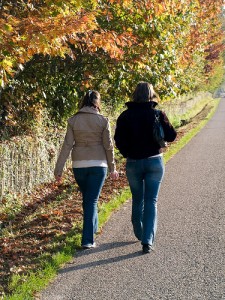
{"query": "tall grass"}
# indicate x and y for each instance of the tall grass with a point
(184, 108)
(26, 162)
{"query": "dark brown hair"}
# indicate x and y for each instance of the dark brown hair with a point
(144, 92)
(92, 99)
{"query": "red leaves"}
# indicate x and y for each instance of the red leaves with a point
(47, 216)
(44, 217)
(57, 213)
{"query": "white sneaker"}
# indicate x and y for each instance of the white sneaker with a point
(89, 246)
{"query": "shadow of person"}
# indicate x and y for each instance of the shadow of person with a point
(103, 247)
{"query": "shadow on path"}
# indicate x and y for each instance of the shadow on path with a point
(101, 248)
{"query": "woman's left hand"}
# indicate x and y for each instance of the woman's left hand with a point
(114, 175)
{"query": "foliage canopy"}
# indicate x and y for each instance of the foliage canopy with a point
(52, 51)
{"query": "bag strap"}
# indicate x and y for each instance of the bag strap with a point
(157, 115)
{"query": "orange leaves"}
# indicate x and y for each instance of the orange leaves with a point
(160, 9)
(123, 3)
(57, 212)
(44, 226)
(171, 7)
(181, 30)
(109, 42)
(56, 29)
(22, 38)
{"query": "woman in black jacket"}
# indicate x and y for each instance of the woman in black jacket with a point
(144, 165)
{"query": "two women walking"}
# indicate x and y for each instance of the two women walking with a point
(89, 137)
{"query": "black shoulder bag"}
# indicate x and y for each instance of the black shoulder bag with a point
(158, 132)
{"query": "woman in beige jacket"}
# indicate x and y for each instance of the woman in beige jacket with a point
(88, 136)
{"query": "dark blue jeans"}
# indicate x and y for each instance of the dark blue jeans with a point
(145, 177)
(90, 181)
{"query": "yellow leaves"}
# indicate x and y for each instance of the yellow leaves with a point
(43, 35)
(159, 9)
(94, 3)
(123, 3)
(50, 32)
(50, 28)
(6, 66)
(170, 7)
(8, 27)
(126, 3)
(7, 63)
(141, 65)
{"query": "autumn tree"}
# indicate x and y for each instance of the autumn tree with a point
(52, 51)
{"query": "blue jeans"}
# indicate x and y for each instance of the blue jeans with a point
(90, 181)
(145, 177)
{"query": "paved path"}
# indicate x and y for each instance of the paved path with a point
(189, 259)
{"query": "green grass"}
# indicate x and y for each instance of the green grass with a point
(176, 119)
(174, 148)
(106, 209)
(24, 287)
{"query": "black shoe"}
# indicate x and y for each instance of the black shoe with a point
(146, 248)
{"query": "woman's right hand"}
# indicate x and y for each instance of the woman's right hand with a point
(58, 178)
(114, 175)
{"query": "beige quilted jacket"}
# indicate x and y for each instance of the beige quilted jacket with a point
(88, 136)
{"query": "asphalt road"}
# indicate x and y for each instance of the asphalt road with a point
(189, 257)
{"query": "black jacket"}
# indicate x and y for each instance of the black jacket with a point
(133, 135)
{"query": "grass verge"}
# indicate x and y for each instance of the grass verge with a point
(174, 148)
(26, 287)
(106, 209)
